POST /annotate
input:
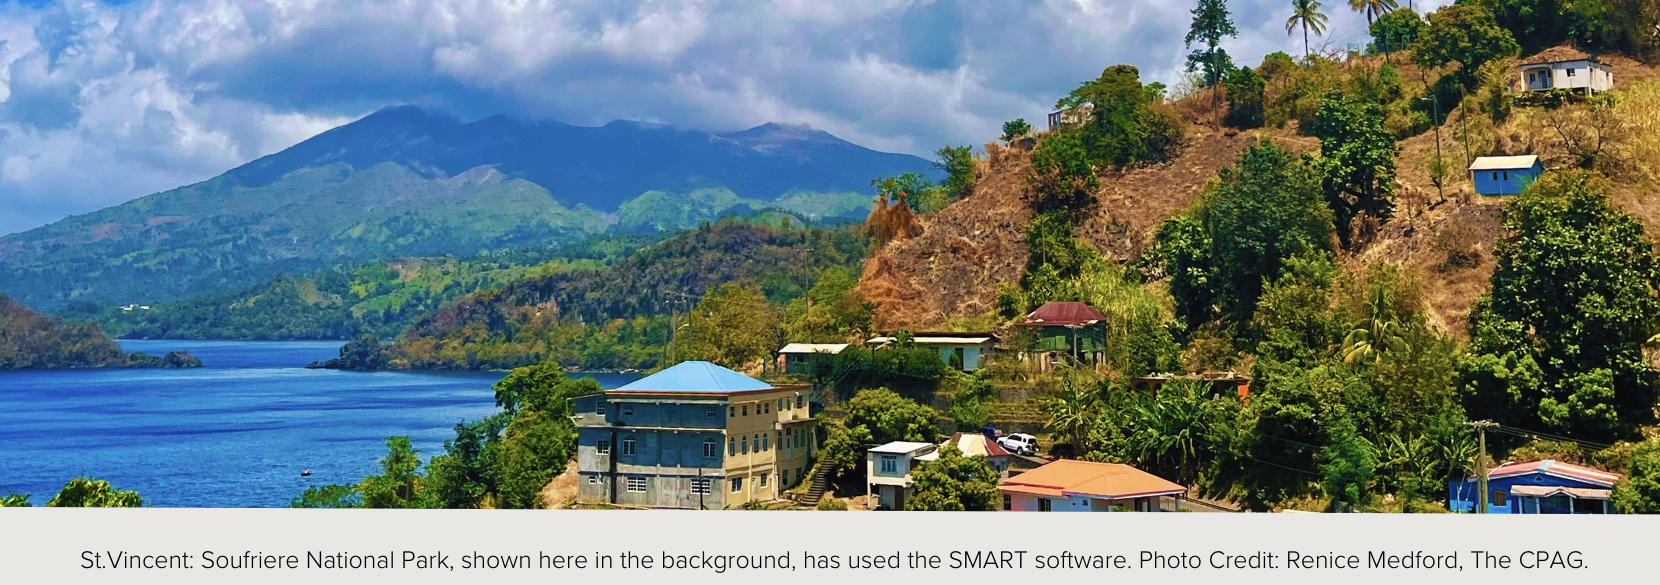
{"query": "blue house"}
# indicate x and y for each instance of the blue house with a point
(1504, 175)
(1538, 487)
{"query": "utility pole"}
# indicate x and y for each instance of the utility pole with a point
(1481, 427)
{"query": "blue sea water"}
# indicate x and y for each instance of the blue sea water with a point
(236, 433)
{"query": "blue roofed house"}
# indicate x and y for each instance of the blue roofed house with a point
(1537, 487)
(1504, 175)
(695, 435)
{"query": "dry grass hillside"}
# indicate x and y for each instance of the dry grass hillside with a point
(951, 270)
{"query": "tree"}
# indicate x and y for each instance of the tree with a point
(912, 189)
(1015, 130)
(1349, 463)
(954, 482)
(732, 326)
(1396, 30)
(1246, 98)
(83, 492)
(890, 417)
(329, 496)
(1306, 14)
(1464, 34)
(1071, 412)
(1372, 8)
(399, 480)
(1357, 159)
(957, 162)
(12, 500)
(465, 475)
(1639, 491)
(535, 447)
(1211, 22)
(1170, 433)
(1380, 332)
(1558, 341)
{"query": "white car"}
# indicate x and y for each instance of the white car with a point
(1019, 444)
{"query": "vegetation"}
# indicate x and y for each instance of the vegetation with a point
(954, 482)
(1465, 34)
(1306, 14)
(30, 340)
(1639, 491)
(83, 492)
(1015, 130)
(875, 417)
(1357, 160)
(732, 326)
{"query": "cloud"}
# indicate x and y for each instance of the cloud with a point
(100, 104)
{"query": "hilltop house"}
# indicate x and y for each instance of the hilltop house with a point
(1538, 487)
(1068, 331)
(1504, 175)
(963, 351)
(1077, 116)
(695, 435)
(1565, 69)
(800, 358)
(888, 471)
(1068, 485)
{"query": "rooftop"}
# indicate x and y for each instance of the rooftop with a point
(1067, 477)
(977, 445)
(1493, 163)
(1555, 468)
(901, 447)
(813, 348)
(695, 377)
(939, 339)
(1557, 55)
(1068, 314)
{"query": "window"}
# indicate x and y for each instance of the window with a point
(1499, 498)
(766, 442)
(744, 411)
(737, 484)
(1044, 505)
(890, 464)
(604, 447)
(731, 446)
(786, 477)
(628, 446)
(711, 449)
(599, 408)
(1570, 72)
(636, 484)
(755, 443)
(628, 410)
(1495, 175)
(710, 412)
(798, 401)
(1008, 502)
(593, 479)
(763, 480)
(743, 445)
(701, 486)
(734, 411)
(1506, 175)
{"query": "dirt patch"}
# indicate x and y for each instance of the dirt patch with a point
(560, 494)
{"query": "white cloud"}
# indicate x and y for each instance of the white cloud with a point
(100, 104)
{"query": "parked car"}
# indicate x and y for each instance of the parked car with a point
(1019, 443)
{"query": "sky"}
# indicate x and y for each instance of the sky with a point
(104, 102)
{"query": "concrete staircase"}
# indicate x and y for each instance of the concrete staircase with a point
(821, 484)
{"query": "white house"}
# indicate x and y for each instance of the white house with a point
(888, 471)
(964, 351)
(1585, 73)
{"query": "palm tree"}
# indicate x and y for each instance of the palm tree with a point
(1306, 13)
(1379, 333)
(1372, 8)
(1071, 413)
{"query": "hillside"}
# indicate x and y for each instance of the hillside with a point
(555, 316)
(31, 340)
(952, 269)
(405, 182)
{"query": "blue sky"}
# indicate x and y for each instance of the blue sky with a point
(103, 102)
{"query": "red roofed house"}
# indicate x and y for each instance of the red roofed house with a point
(1069, 331)
(1068, 485)
(1537, 487)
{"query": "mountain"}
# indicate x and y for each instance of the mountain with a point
(407, 182)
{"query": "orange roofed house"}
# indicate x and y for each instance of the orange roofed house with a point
(1082, 486)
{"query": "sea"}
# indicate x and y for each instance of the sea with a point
(237, 433)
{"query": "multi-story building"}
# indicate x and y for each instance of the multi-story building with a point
(695, 435)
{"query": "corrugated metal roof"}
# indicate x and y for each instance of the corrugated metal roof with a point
(977, 445)
(1545, 491)
(1065, 314)
(900, 447)
(1497, 163)
(695, 377)
(931, 340)
(1555, 468)
(813, 348)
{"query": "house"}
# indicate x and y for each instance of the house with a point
(1077, 116)
(799, 358)
(888, 471)
(1504, 175)
(1565, 69)
(964, 351)
(1217, 383)
(1068, 331)
(978, 445)
(695, 435)
(1068, 485)
(1538, 487)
